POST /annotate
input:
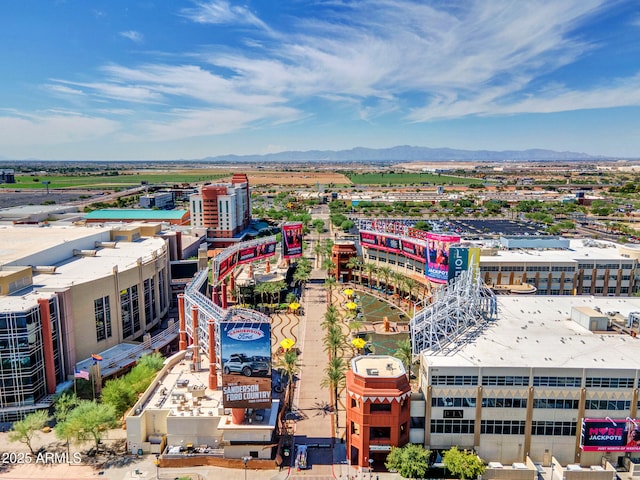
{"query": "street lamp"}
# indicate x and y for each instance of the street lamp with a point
(157, 464)
(370, 467)
(245, 460)
(552, 465)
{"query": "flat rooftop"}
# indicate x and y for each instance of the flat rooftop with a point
(18, 242)
(377, 366)
(185, 393)
(537, 331)
(74, 269)
(583, 251)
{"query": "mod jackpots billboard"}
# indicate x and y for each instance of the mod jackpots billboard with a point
(437, 261)
(607, 435)
(246, 364)
(292, 240)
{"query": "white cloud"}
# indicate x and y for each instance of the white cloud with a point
(52, 128)
(132, 35)
(372, 59)
(222, 12)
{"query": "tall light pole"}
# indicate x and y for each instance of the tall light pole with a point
(370, 467)
(245, 460)
(552, 465)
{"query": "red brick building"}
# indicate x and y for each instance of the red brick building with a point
(378, 410)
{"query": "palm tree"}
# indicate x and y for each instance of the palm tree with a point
(328, 246)
(290, 367)
(274, 290)
(410, 285)
(291, 297)
(398, 279)
(334, 379)
(331, 317)
(334, 340)
(318, 250)
(329, 266)
(301, 276)
(329, 284)
(355, 262)
(385, 272)
(371, 268)
(404, 354)
(261, 289)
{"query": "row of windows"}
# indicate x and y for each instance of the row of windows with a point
(559, 403)
(452, 426)
(560, 268)
(598, 382)
(502, 427)
(557, 381)
(538, 381)
(549, 428)
(608, 405)
(454, 380)
(508, 380)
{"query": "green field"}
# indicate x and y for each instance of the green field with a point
(408, 179)
(105, 182)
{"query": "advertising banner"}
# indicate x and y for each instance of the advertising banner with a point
(256, 252)
(437, 258)
(292, 240)
(462, 259)
(369, 239)
(245, 349)
(412, 249)
(607, 435)
(227, 264)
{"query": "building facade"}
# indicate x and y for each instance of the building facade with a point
(224, 209)
(581, 267)
(522, 384)
(66, 293)
(378, 409)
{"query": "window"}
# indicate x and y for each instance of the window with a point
(380, 408)
(504, 402)
(597, 382)
(417, 422)
(102, 312)
(585, 266)
(454, 380)
(150, 299)
(502, 427)
(489, 268)
(557, 381)
(354, 403)
(538, 268)
(355, 428)
(558, 403)
(130, 311)
(380, 433)
(161, 290)
(512, 268)
(512, 381)
(620, 405)
(560, 268)
(453, 402)
(452, 426)
(556, 429)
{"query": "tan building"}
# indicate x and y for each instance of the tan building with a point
(69, 292)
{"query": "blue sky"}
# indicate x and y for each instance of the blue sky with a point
(124, 79)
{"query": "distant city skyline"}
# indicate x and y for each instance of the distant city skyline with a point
(122, 80)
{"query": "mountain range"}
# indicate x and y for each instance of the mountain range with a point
(405, 153)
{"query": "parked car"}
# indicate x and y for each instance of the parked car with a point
(247, 366)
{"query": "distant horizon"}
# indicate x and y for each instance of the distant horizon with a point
(105, 82)
(254, 158)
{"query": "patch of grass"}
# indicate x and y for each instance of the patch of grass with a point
(407, 178)
(106, 182)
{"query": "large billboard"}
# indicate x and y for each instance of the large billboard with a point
(462, 259)
(256, 252)
(227, 263)
(245, 349)
(610, 435)
(380, 242)
(292, 240)
(412, 249)
(437, 258)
